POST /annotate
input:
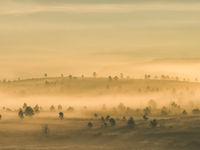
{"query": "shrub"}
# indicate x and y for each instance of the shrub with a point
(131, 122)
(145, 117)
(124, 118)
(52, 108)
(21, 114)
(90, 125)
(36, 109)
(96, 115)
(61, 115)
(184, 112)
(29, 111)
(70, 109)
(112, 122)
(107, 117)
(147, 111)
(153, 123)
(59, 107)
(45, 129)
(196, 111)
(102, 119)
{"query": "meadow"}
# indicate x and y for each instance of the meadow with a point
(99, 113)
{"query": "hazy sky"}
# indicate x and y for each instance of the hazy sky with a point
(79, 36)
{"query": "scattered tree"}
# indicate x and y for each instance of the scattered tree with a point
(107, 117)
(184, 112)
(36, 109)
(112, 122)
(153, 123)
(90, 125)
(45, 129)
(131, 122)
(94, 74)
(29, 111)
(52, 108)
(145, 117)
(61, 115)
(60, 107)
(21, 114)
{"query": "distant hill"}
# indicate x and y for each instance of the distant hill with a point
(95, 86)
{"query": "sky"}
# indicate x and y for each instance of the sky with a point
(106, 36)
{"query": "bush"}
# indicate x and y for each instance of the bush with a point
(112, 122)
(90, 125)
(184, 112)
(21, 114)
(124, 118)
(153, 123)
(131, 122)
(107, 117)
(196, 111)
(45, 129)
(0, 116)
(95, 115)
(59, 107)
(52, 108)
(70, 109)
(102, 119)
(29, 111)
(36, 109)
(145, 117)
(61, 115)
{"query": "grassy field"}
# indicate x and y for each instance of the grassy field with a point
(175, 132)
(166, 99)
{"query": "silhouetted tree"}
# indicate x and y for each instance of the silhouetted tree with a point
(124, 118)
(45, 75)
(107, 117)
(45, 129)
(145, 117)
(21, 114)
(147, 111)
(90, 125)
(116, 78)
(70, 76)
(164, 111)
(70, 109)
(82, 76)
(29, 111)
(102, 119)
(59, 107)
(184, 112)
(196, 111)
(153, 123)
(94, 74)
(95, 115)
(24, 106)
(52, 108)
(61, 115)
(112, 122)
(109, 78)
(36, 109)
(131, 122)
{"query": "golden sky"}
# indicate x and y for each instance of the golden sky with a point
(76, 36)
